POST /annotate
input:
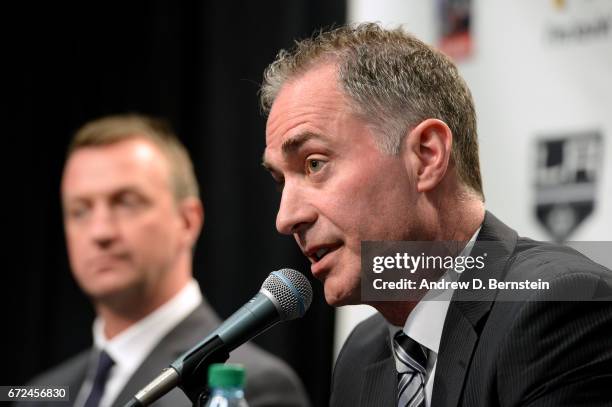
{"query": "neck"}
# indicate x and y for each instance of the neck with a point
(117, 322)
(451, 212)
(122, 310)
(395, 312)
(456, 221)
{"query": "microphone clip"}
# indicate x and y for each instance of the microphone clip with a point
(194, 377)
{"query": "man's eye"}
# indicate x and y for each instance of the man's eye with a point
(77, 212)
(314, 165)
(129, 201)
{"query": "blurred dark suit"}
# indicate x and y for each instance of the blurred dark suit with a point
(270, 382)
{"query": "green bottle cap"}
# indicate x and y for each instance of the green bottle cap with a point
(226, 375)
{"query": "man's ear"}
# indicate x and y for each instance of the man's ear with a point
(191, 212)
(427, 151)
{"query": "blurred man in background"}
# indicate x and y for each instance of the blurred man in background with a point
(371, 136)
(132, 215)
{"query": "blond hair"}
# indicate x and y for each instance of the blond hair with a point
(114, 129)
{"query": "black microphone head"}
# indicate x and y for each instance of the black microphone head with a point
(291, 291)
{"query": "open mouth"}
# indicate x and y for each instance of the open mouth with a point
(317, 254)
(320, 253)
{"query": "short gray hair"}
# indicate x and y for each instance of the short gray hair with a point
(394, 80)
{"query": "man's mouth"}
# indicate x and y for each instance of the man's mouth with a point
(106, 261)
(317, 253)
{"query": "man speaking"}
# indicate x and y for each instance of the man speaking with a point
(371, 136)
(132, 215)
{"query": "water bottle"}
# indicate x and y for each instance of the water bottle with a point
(226, 383)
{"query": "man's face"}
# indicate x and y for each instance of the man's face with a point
(122, 225)
(338, 188)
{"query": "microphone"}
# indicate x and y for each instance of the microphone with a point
(285, 295)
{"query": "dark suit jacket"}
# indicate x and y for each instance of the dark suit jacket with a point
(270, 382)
(502, 353)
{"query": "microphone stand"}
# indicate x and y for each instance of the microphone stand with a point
(193, 368)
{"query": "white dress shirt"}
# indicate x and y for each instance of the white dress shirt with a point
(131, 347)
(425, 323)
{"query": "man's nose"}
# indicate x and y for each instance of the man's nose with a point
(295, 213)
(104, 229)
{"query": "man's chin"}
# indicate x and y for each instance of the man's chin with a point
(337, 298)
(112, 293)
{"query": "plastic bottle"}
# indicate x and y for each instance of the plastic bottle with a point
(226, 383)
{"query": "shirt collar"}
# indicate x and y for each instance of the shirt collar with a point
(131, 347)
(426, 321)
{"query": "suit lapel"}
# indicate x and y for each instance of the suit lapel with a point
(146, 372)
(456, 347)
(379, 384)
(369, 377)
(75, 378)
(180, 339)
(467, 309)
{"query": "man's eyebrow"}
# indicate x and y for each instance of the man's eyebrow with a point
(291, 145)
(125, 189)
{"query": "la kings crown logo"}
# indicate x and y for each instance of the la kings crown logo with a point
(567, 172)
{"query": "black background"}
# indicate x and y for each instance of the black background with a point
(199, 65)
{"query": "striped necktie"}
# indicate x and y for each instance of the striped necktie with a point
(97, 390)
(410, 360)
